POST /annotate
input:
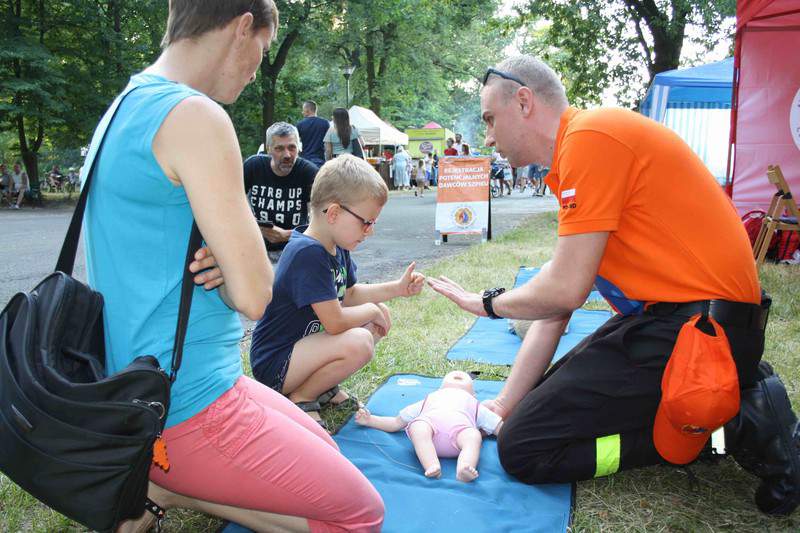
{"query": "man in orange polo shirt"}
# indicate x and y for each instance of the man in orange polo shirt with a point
(642, 219)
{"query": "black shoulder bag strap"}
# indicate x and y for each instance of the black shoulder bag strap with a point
(66, 259)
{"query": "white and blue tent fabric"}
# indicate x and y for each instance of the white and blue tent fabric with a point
(696, 102)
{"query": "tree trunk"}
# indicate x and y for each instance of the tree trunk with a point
(382, 67)
(373, 92)
(30, 154)
(31, 162)
(30, 151)
(667, 34)
(269, 79)
(118, 41)
(387, 36)
(667, 56)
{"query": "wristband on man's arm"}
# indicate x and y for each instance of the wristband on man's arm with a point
(488, 296)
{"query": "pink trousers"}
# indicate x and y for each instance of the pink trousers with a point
(254, 449)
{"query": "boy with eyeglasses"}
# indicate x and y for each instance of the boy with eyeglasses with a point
(322, 326)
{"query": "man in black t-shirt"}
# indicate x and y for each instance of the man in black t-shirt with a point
(312, 131)
(278, 186)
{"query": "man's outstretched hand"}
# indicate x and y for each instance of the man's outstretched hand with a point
(468, 301)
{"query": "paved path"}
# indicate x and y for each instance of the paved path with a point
(405, 232)
(30, 239)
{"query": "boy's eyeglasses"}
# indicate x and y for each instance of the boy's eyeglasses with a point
(503, 75)
(367, 223)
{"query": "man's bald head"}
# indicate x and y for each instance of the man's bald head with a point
(537, 76)
(522, 103)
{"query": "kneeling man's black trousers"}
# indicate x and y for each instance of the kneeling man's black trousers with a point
(592, 413)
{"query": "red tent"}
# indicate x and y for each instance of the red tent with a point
(765, 117)
(431, 126)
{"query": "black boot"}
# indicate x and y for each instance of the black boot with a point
(764, 438)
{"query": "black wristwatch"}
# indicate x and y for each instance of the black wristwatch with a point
(488, 295)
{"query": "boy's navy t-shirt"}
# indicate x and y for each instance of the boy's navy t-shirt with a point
(306, 274)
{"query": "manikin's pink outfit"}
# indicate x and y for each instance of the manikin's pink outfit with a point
(448, 411)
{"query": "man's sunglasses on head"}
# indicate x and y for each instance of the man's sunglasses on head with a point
(504, 75)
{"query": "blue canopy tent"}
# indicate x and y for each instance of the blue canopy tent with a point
(695, 102)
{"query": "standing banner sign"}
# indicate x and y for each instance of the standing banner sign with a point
(462, 197)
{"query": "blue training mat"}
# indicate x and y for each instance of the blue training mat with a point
(492, 341)
(493, 503)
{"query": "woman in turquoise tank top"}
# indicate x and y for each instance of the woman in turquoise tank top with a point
(235, 448)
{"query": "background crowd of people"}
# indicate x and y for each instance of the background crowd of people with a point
(16, 189)
(13, 185)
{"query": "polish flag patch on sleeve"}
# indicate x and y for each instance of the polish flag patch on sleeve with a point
(568, 199)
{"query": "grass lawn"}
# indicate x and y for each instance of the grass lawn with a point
(706, 497)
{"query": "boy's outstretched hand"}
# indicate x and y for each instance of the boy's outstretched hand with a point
(411, 282)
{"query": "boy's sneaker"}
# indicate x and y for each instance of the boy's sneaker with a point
(14, 206)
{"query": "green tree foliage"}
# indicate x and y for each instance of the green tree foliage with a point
(61, 64)
(300, 20)
(598, 43)
(415, 61)
(100, 43)
(418, 61)
(31, 85)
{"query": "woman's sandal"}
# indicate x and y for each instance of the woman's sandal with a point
(312, 406)
(325, 398)
(158, 511)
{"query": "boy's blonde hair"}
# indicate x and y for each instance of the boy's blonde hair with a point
(347, 180)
